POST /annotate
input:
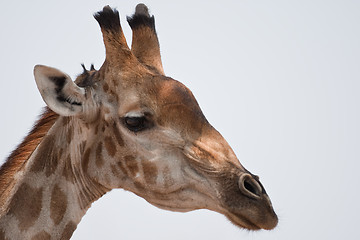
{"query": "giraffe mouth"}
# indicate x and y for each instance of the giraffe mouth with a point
(242, 222)
(252, 219)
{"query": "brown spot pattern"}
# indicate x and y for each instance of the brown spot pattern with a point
(131, 164)
(2, 235)
(47, 157)
(26, 205)
(99, 161)
(139, 187)
(41, 236)
(118, 135)
(86, 159)
(97, 129)
(106, 110)
(70, 134)
(60, 152)
(106, 87)
(150, 172)
(65, 120)
(68, 172)
(110, 146)
(115, 82)
(58, 205)
(113, 95)
(68, 231)
(122, 168)
(82, 146)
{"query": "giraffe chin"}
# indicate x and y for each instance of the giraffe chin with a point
(248, 222)
(242, 222)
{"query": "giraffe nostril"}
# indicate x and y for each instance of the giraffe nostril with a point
(249, 186)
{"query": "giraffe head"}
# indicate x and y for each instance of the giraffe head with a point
(146, 133)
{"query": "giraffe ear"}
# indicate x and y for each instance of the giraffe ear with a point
(59, 92)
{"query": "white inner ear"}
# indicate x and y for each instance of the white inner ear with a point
(59, 92)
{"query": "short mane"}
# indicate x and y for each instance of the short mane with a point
(24, 150)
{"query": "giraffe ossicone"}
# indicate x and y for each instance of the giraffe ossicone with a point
(126, 126)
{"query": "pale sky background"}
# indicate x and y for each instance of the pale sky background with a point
(279, 79)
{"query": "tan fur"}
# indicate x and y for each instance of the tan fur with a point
(145, 47)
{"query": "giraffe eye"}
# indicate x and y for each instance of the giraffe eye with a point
(135, 124)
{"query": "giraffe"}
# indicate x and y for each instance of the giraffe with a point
(128, 126)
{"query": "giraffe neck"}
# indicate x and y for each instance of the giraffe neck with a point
(50, 193)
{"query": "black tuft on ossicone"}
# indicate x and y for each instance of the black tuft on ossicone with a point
(108, 19)
(85, 71)
(140, 20)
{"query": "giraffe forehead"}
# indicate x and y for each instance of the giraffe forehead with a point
(172, 91)
(178, 107)
(172, 94)
(155, 93)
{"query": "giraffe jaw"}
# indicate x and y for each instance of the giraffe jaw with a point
(183, 200)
